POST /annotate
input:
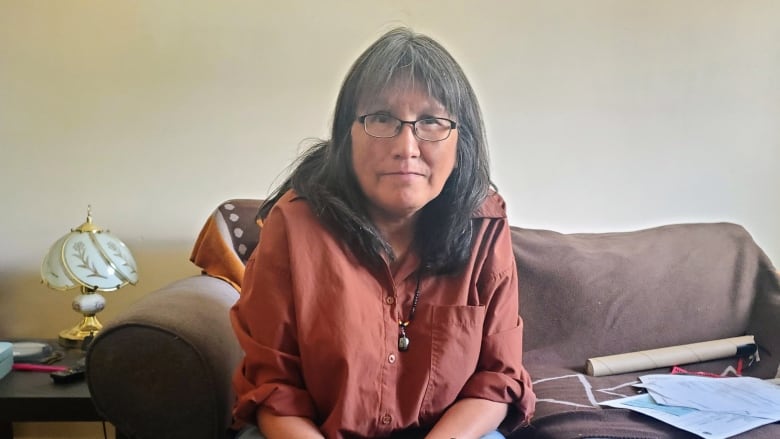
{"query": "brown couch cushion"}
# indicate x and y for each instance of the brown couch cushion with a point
(587, 295)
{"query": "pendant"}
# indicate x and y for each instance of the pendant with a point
(403, 340)
(403, 343)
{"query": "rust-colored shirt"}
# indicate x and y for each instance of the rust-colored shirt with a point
(320, 331)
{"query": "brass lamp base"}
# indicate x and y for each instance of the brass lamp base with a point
(74, 337)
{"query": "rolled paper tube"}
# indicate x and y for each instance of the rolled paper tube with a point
(665, 357)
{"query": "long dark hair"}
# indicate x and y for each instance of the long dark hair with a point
(325, 177)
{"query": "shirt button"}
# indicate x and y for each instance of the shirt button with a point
(386, 419)
(391, 358)
(390, 300)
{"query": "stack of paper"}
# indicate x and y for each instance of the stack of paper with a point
(713, 408)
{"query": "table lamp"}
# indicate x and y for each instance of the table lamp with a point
(94, 260)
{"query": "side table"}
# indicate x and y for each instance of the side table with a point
(33, 397)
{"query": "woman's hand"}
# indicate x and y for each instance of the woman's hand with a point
(284, 427)
(469, 418)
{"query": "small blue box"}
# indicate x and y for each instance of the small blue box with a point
(6, 358)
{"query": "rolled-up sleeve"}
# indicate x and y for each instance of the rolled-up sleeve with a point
(500, 375)
(263, 320)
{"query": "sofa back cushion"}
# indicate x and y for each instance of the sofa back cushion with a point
(587, 295)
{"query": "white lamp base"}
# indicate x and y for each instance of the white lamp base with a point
(87, 303)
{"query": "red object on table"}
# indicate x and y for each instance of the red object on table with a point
(30, 367)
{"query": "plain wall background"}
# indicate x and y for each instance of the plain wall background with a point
(602, 115)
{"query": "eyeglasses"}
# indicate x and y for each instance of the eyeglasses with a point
(431, 129)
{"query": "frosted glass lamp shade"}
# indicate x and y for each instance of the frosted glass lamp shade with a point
(98, 261)
(94, 259)
(91, 259)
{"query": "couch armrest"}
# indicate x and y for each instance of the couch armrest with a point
(764, 323)
(163, 367)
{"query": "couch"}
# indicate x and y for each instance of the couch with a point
(162, 369)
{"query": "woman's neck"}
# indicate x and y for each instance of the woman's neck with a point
(399, 233)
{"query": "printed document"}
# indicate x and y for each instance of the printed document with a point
(713, 408)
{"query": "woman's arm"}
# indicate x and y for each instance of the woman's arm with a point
(500, 375)
(283, 427)
(270, 376)
(469, 418)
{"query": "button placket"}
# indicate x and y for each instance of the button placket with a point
(389, 369)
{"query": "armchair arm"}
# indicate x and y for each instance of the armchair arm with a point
(163, 367)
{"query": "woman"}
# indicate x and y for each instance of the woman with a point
(382, 298)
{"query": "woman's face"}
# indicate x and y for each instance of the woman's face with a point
(400, 175)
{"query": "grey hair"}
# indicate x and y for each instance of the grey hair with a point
(325, 177)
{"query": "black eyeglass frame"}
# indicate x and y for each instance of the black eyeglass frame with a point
(413, 123)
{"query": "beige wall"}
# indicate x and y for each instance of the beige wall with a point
(602, 115)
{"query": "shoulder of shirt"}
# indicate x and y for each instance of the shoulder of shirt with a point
(293, 205)
(493, 206)
(289, 197)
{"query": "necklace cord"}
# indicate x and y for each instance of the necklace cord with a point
(403, 339)
(416, 296)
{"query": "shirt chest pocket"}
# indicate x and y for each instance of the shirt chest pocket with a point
(455, 344)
